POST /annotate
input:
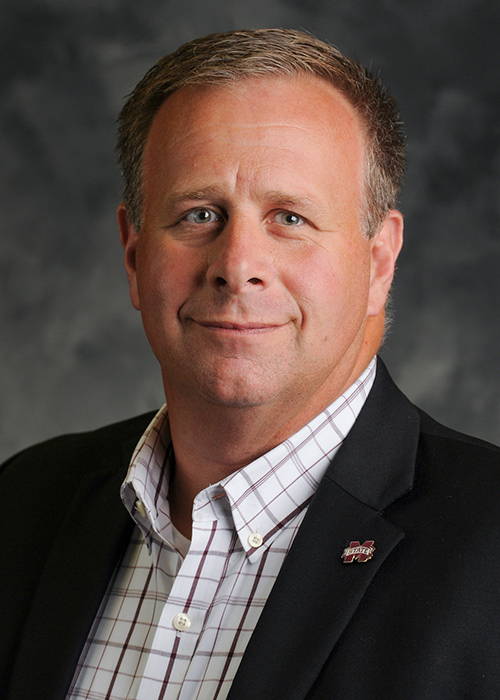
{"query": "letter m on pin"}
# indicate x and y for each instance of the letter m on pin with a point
(360, 552)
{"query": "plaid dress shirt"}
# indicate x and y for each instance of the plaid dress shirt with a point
(178, 615)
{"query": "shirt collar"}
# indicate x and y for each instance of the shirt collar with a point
(262, 497)
(145, 489)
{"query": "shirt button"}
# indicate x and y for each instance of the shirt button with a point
(182, 622)
(255, 540)
(139, 506)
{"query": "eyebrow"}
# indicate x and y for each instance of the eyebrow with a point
(208, 192)
(285, 199)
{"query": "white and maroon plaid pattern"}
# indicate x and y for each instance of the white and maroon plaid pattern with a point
(219, 582)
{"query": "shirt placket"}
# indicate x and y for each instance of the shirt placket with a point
(172, 663)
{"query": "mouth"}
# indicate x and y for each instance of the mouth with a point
(232, 327)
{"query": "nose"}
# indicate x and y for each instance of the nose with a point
(242, 258)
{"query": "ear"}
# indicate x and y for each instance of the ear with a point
(129, 237)
(385, 247)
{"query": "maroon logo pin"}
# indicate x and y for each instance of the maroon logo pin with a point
(360, 552)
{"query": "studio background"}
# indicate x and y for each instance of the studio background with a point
(73, 355)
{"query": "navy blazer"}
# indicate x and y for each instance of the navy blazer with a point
(418, 621)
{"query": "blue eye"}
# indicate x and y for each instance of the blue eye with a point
(201, 216)
(288, 218)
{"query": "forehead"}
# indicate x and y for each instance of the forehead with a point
(308, 102)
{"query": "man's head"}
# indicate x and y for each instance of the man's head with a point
(228, 58)
(257, 284)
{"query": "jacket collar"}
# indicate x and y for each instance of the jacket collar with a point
(376, 464)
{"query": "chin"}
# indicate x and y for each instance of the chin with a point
(232, 382)
(242, 389)
(235, 396)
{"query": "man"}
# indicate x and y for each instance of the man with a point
(291, 526)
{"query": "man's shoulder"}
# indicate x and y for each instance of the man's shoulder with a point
(87, 450)
(435, 440)
(445, 444)
(456, 484)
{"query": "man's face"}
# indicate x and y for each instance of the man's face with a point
(255, 283)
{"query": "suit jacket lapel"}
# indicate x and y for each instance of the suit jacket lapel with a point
(83, 557)
(316, 593)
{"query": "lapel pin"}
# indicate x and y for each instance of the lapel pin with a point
(359, 552)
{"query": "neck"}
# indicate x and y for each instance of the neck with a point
(212, 441)
(226, 439)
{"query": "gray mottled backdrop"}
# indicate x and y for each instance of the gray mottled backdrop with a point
(72, 351)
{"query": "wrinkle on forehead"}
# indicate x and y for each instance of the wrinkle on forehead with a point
(190, 103)
(232, 133)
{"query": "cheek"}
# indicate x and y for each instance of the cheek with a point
(332, 290)
(165, 276)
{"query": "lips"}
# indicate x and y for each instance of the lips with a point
(233, 326)
(247, 326)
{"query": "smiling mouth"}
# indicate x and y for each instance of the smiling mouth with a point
(256, 327)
